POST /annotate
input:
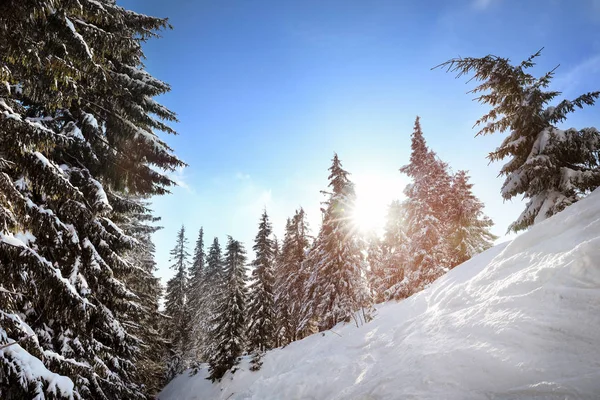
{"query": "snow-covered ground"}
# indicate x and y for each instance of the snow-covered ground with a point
(520, 321)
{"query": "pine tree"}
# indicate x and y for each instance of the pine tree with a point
(336, 288)
(229, 324)
(147, 325)
(196, 297)
(469, 229)
(551, 167)
(214, 280)
(395, 251)
(261, 307)
(177, 307)
(76, 132)
(425, 211)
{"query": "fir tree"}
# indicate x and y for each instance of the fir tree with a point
(77, 130)
(425, 217)
(551, 167)
(229, 324)
(196, 297)
(261, 307)
(177, 307)
(395, 252)
(336, 288)
(469, 228)
(213, 278)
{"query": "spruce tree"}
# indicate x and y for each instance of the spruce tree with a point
(213, 278)
(395, 255)
(469, 228)
(336, 288)
(177, 307)
(196, 296)
(229, 323)
(550, 167)
(261, 306)
(77, 131)
(425, 212)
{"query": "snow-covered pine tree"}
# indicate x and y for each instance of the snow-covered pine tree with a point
(469, 228)
(229, 323)
(291, 278)
(376, 271)
(213, 278)
(551, 167)
(425, 213)
(177, 307)
(395, 246)
(261, 306)
(196, 299)
(147, 325)
(336, 289)
(75, 132)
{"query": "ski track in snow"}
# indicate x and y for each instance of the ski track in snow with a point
(519, 321)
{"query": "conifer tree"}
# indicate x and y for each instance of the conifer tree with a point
(229, 324)
(336, 288)
(425, 217)
(77, 130)
(214, 280)
(551, 167)
(395, 251)
(196, 296)
(177, 307)
(291, 278)
(469, 228)
(261, 306)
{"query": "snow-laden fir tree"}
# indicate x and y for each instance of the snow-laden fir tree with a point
(549, 166)
(468, 228)
(213, 278)
(177, 307)
(139, 223)
(395, 246)
(196, 296)
(425, 216)
(229, 323)
(77, 130)
(261, 305)
(376, 271)
(291, 278)
(336, 289)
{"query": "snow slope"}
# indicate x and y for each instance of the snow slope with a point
(519, 321)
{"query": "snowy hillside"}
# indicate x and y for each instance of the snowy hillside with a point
(521, 320)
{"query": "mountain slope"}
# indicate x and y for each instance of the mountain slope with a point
(519, 321)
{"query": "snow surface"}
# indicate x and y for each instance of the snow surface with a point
(519, 321)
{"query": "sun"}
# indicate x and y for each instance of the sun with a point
(374, 193)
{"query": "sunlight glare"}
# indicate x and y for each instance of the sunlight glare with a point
(374, 193)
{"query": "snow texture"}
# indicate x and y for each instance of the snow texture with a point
(519, 321)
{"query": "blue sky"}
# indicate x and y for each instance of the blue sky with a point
(266, 91)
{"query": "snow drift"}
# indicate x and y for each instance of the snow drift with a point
(519, 321)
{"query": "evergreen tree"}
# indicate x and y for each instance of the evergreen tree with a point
(147, 325)
(291, 278)
(336, 288)
(177, 307)
(214, 279)
(261, 307)
(375, 260)
(469, 228)
(395, 251)
(229, 324)
(77, 130)
(196, 297)
(426, 217)
(551, 167)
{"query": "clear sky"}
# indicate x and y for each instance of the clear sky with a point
(266, 91)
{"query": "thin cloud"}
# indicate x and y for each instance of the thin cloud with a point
(581, 72)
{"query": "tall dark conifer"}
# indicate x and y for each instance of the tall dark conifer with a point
(261, 305)
(177, 308)
(196, 296)
(77, 131)
(229, 323)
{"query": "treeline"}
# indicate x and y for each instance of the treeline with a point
(309, 285)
